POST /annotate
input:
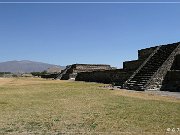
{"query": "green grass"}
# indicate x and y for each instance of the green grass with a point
(52, 107)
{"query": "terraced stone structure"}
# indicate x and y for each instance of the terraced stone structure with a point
(117, 76)
(157, 68)
(154, 70)
(71, 71)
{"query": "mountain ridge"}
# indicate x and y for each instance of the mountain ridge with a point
(25, 66)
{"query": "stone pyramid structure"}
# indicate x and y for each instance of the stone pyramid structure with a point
(71, 71)
(152, 72)
(157, 68)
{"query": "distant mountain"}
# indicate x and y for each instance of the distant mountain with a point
(25, 66)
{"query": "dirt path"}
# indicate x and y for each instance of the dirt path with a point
(148, 95)
(166, 93)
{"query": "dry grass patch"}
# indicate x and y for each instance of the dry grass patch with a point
(50, 107)
(4, 81)
(26, 81)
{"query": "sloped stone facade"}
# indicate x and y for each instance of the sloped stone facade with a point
(155, 67)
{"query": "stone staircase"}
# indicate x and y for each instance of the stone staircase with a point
(60, 76)
(142, 76)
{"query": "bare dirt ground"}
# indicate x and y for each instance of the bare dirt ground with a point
(5, 80)
(26, 81)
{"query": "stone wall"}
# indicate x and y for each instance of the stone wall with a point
(145, 53)
(71, 71)
(117, 76)
(171, 81)
(90, 73)
(52, 76)
(105, 74)
(132, 65)
(78, 68)
(176, 63)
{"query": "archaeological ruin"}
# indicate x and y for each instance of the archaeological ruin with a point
(154, 70)
(71, 71)
(157, 68)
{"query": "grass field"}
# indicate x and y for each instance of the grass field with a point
(37, 106)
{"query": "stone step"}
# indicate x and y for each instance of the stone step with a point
(143, 76)
(161, 55)
(148, 70)
(153, 70)
(143, 83)
(135, 87)
(151, 67)
(129, 83)
(139, 85)
(148, 66)
(133, 81)
(154, 63)
(147, 74)
(144, 80)
(139, 80)
(156, 58)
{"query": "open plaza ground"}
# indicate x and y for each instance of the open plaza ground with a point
(39, 106)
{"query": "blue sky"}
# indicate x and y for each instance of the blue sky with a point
(85, 33)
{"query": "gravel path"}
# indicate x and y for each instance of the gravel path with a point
(161, 93)
(165, 93)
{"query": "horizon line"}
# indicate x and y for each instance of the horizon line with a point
(90, 2)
